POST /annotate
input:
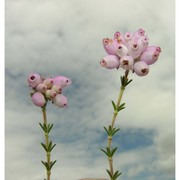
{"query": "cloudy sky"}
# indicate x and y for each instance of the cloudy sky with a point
(64, 37)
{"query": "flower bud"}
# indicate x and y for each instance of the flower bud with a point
(50, 93)
(149, 56)
(138, 34)
(48, 82)
(57, 89)
(143, 43)
(154, 48)
(38, 99)
(110, 62)
(110, 46)
(62, 81)
(60, 100)
(135, 50)
(41, 88)
(126, 62)
(141, 68)
(122, 50)
(34, 79)
(119, 37)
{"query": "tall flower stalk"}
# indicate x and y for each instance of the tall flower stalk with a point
(44, 90)
(131, 53)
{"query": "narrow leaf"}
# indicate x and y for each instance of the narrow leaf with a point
(113, 151)
(41, 126)
(50, 127)
(52, 147)
(106, 130)
(49, 146)
(104, 152)
(115, 130)
(110, 175)
(52, 164)
(114, 106)
(44, 146)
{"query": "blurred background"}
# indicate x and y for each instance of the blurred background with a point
(61, 37)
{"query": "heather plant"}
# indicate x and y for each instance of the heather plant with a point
(131, 53)
(46, 90)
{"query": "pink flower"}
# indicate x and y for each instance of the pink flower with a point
(122, 50)
(57, 89)
(50, 93)
(38, 99)
(141, 68)
(41, 87)
(119, 37)
(138, 34)
(110, 46)
(150, 55)
(48, 82)
(126, 62)
(60, 100)
(62, 81)
(110, 62)
(34, 79)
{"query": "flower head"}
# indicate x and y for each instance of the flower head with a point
(130, 51)
(46, 89)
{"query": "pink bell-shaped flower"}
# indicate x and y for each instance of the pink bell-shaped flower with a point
(62, 81)
(141, 68)
(48, 82)
(150, 56)
(38, 99)
(110, 62)
(34, 79)
(122, 50)
(60, 100)
(126, 62)
(110, 46)
(138, 34)
(50, 93)
(57, 89)
(41, 88)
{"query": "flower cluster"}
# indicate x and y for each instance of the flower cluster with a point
(130, 51)
(48, 89)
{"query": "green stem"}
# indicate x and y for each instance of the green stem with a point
(48, 154)
(114, 119)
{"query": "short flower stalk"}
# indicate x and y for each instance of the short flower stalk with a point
(131, 53)
(43, 91)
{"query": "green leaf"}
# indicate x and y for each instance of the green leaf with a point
(121, 107)
(52, 164)
(49, 146)
(108, 152)
(113, 151)
(128, 81)
(115, 130)
(52, 147)
(41, 126)
(44, 146)
(114, 106)
(116, 175)
(110, 175)
(50, 127)
(104, 152)
(106, 130)
(46, 165)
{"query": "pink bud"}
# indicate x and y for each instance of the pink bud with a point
(110, 62)
(154, 48)
(50, 93)
(138, 34)
(41, 87)
(128, 39)
(62, 81)
(149, 56)
(122, 50)
(110, 46)
(119, 37)
(135, 50)
(57, 89)
(126, 62)
(141, 68)
(143, 42)
(38, 99)
(34, 79)
(60, 100)
(48, 82)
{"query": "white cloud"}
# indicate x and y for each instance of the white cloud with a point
(64, 37)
